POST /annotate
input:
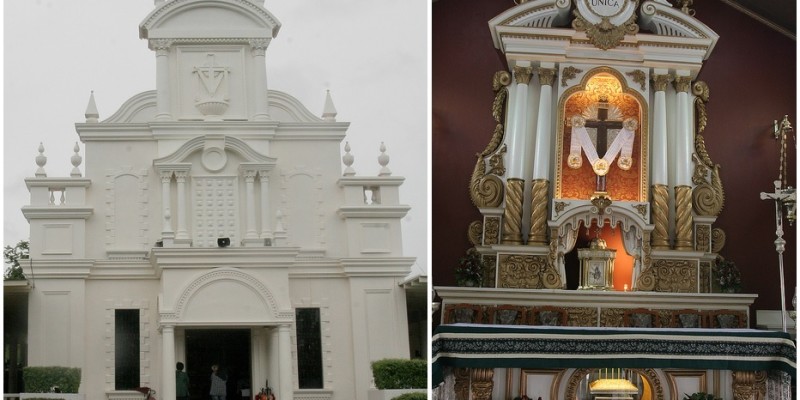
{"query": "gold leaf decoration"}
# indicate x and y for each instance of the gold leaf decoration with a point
(475, 232)
(717, 240)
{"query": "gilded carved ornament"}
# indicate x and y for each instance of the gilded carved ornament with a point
(600, 204)
(486, 189)
(482, 383)
(675, 276)
(639, 77)
(547, 76)
(491, 233)
(660, 82)
(560, 206)
(604, 34)
(568, 74)
(682, 83)
(708, 196)
(749, 384)
(717, 240)
(523, 74)
(474, 232)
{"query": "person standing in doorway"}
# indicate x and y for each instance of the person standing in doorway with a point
(218, 383)
(181, 382)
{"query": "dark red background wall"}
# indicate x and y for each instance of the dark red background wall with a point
(751, 74)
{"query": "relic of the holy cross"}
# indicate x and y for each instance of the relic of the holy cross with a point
(602, 125)
(622, 144)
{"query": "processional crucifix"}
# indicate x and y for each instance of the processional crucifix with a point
(601, 155)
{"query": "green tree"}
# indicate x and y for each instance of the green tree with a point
(12, 256)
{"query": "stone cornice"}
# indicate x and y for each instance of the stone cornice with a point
(374, 267)
(373, 211)
(371, 181)
(239, 257)
(64, 182)
(56, 212)
(182, 130)
(56, 268)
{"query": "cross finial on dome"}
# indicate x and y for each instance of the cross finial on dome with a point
(329, 111)
(91, 110)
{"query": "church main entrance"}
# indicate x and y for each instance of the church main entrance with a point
(228, 348)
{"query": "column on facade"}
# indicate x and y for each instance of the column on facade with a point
(541, 153)
(512, 215)
(259, 353)
(180, 179)
(250, 236)
(273, 346)
(286, 390)
(266, 232)
(659, 174)
(166, 230)
(162, 46)
(683, 163)
(258, 51)
(168, 362)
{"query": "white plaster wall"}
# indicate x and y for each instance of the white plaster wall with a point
(133, 157)
(105, 296)
(55, 326)
(332, 296)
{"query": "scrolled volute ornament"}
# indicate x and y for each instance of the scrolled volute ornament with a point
(474, 232)
(717, 240)
(486, 189)
(701, 90)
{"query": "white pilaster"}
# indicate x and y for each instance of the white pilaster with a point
(167, 362)
(541, 149)
(166, 229)
(266, 232)
(258, 50)
(250, 236)
(518, 125)
(273, 346)
(161, 46)
(659, 151)
(683, 142)
(286, 390)
(180, 178)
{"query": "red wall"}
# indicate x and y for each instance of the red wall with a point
(751, 74)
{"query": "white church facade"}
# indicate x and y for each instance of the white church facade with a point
(214, 223)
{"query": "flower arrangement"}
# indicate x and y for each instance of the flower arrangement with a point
(727, 275)
(470, 269)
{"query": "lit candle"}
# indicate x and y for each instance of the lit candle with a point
(625, 288)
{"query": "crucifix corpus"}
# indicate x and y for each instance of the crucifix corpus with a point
(601, 155)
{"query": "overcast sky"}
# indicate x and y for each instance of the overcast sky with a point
(372, 55)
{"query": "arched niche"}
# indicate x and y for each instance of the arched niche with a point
(628, 219)
(648, 381)
(225, 296)
(602, 88)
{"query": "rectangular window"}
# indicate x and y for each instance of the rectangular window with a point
(309, 348)
(126, 350)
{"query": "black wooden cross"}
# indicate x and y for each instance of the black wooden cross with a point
(602, 124)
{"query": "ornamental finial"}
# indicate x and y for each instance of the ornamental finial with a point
(76, 161)
(329, 111)
(383, 160)
(348, 159)
(41, 160)
(91, 110)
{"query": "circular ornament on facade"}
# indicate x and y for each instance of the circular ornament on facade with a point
(214, 159)
(617, 11)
